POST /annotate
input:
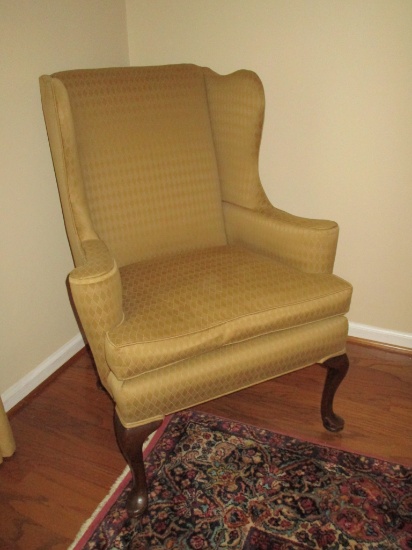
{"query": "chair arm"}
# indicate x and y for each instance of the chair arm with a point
(303, 243)
(97, 293)
(99, 264)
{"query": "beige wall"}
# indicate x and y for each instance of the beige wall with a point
(337, 140)
(36, 37)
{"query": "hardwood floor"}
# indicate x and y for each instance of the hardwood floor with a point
(67, 457)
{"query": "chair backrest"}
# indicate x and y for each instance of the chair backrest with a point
(135, 157)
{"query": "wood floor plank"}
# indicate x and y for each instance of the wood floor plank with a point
(67, 457)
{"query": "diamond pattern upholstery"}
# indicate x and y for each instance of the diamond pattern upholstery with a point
(188, 283)
(188, 304)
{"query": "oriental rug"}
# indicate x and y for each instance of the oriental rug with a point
(219, 484)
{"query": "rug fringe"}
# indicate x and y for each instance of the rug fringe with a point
(147, 446)
(87, 523)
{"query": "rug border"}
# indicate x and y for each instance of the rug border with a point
(88, 527)
(307, 439)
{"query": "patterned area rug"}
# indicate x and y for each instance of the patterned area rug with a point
(218, 484)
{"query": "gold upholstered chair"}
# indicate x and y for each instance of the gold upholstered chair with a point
(188, 283)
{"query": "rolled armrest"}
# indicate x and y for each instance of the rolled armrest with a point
(97, 293)
(99, 264)
(303, 243)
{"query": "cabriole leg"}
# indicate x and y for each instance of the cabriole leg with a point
(131, 441)
(337, 367)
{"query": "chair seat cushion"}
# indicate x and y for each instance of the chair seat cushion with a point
(181, 306)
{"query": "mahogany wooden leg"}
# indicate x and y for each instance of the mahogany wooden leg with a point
(131, 441)
(337, 369)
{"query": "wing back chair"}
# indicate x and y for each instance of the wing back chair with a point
(188, 283)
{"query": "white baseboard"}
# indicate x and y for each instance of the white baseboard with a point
(34, 378)
(391, 337)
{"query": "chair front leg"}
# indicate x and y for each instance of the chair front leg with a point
(337, 369)
(131, 441)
